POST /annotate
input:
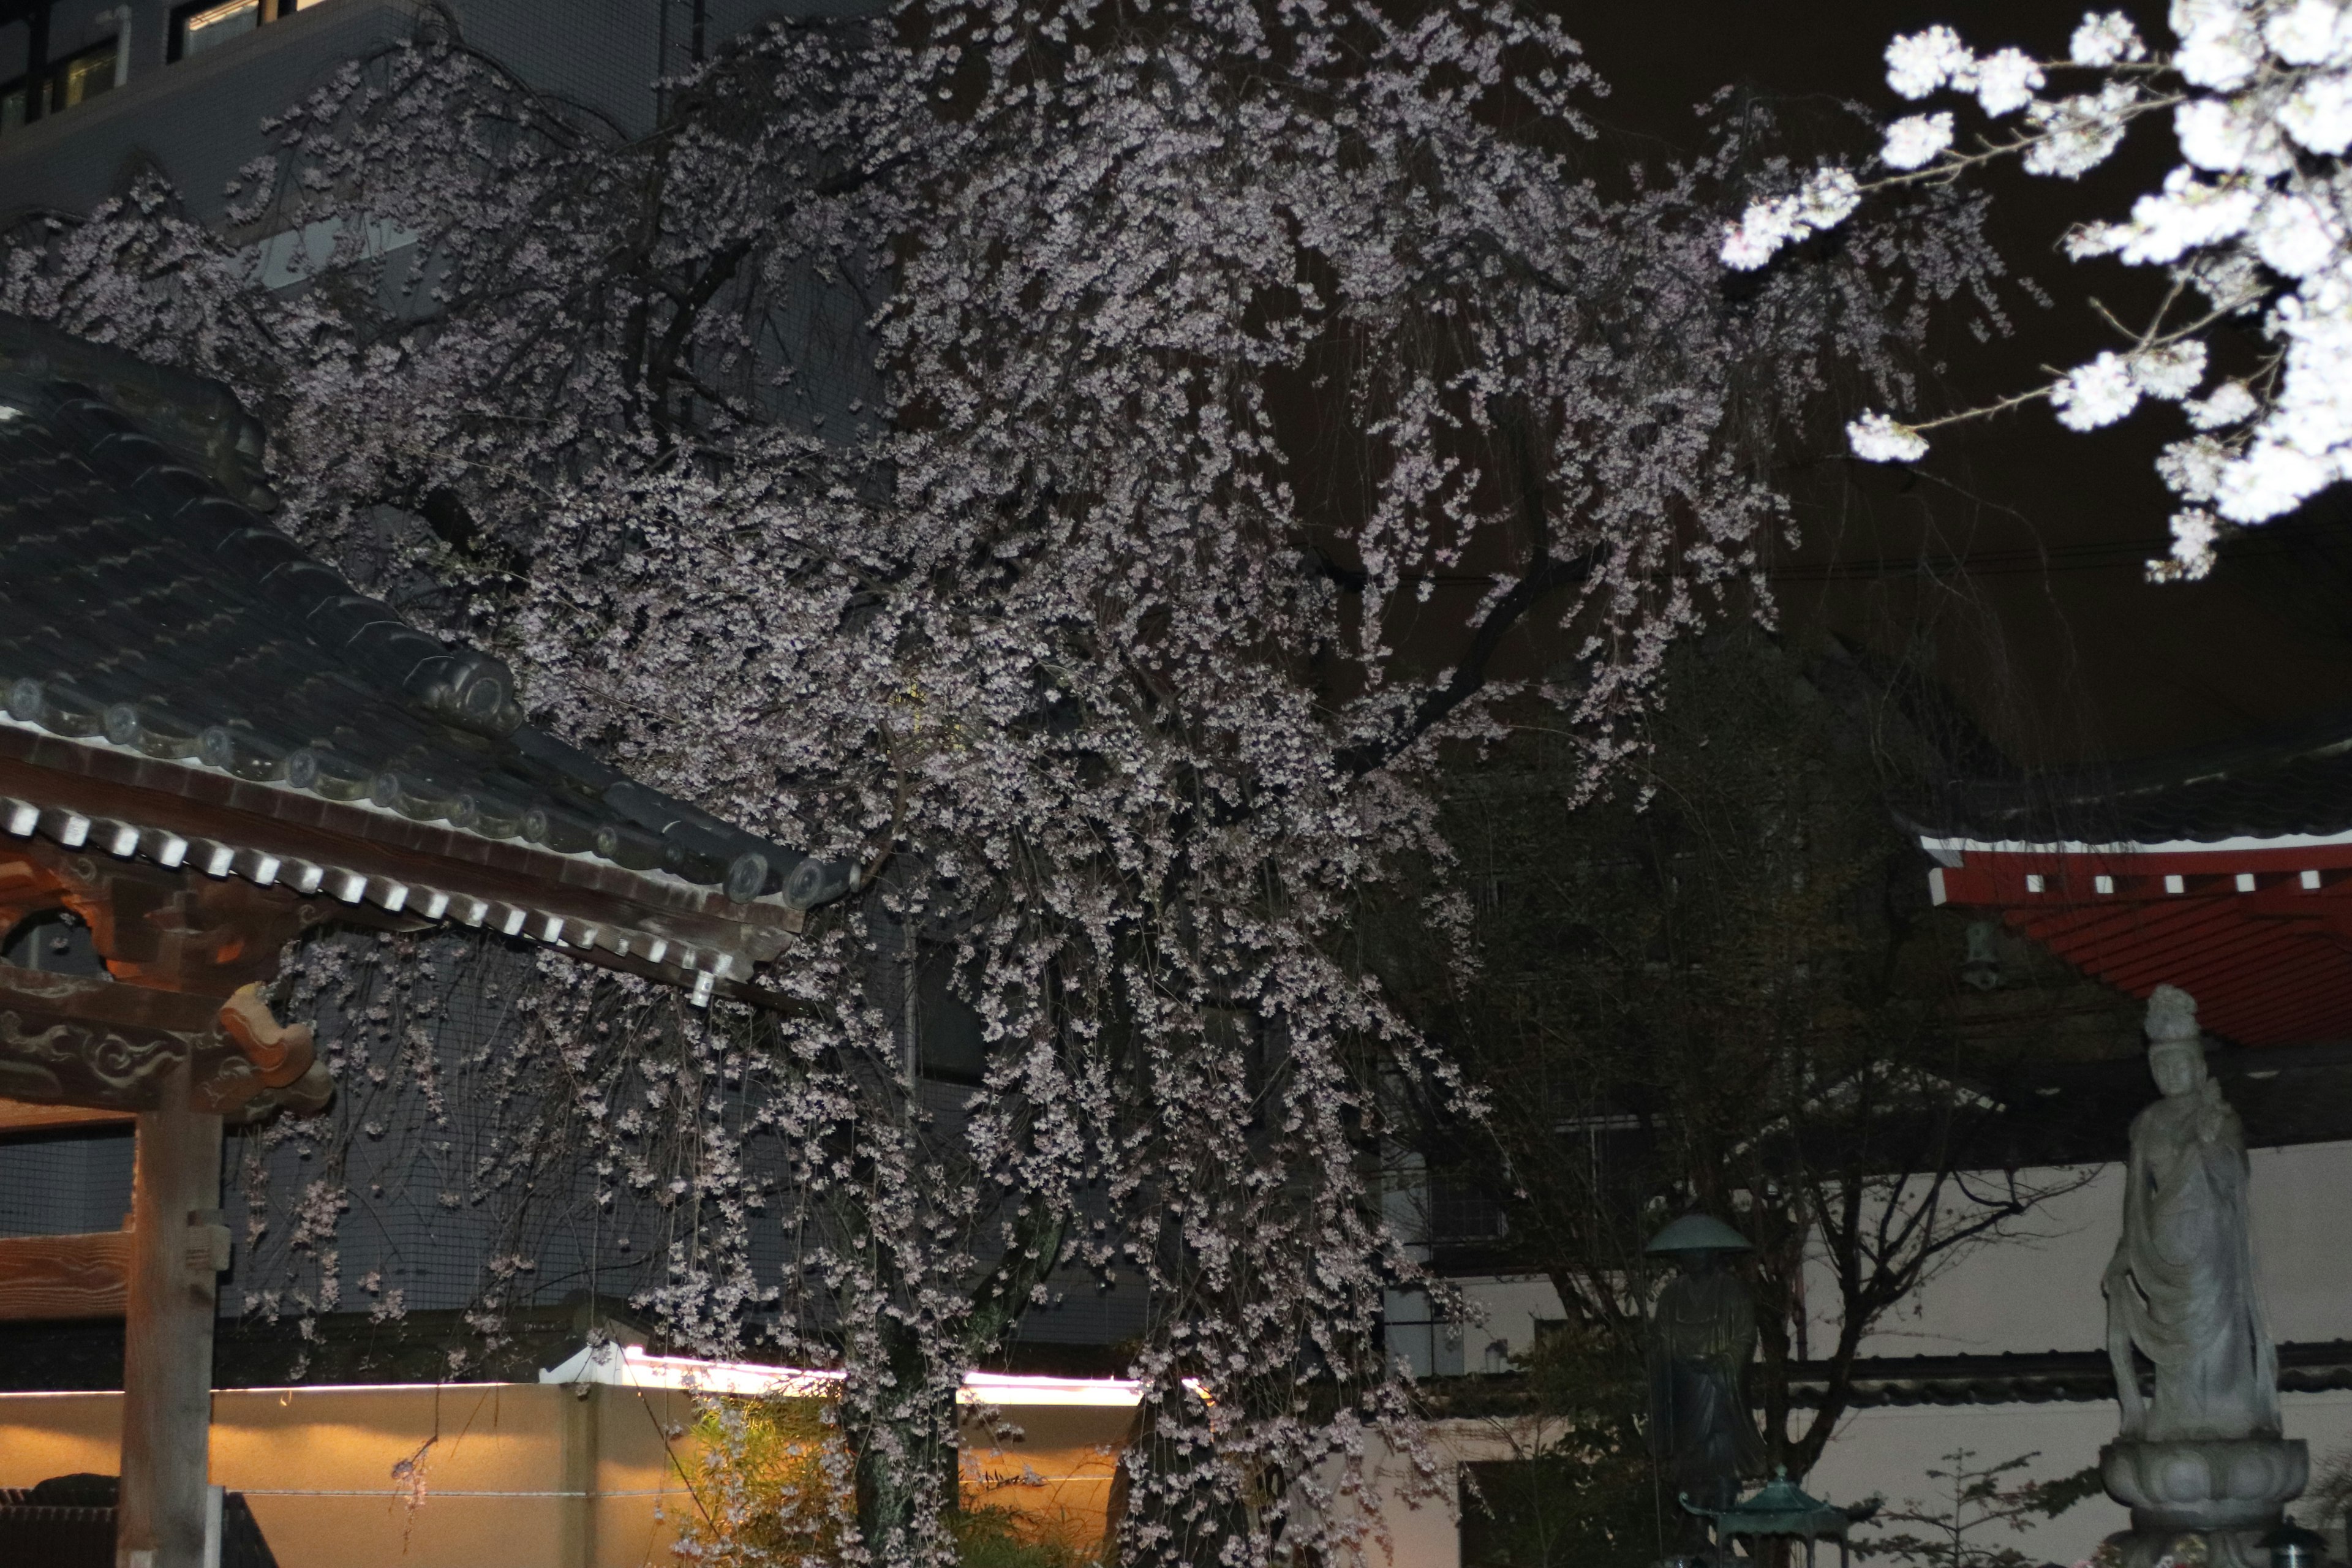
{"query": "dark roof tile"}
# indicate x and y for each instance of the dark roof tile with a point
(2291, 782)
(144, 607)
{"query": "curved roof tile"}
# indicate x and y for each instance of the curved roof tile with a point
(146, 612)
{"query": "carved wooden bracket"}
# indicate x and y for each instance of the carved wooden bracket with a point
(186, 957)
(72, 1040)
(154, 926)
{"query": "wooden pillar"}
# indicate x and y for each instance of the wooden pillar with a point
(176, 1253)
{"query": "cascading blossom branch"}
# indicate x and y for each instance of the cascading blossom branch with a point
(2253, 219)
(1026, 460)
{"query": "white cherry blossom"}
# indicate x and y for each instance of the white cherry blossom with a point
(2251, 222)
(1923, 62)
(1879, 438)
(2105, 39)
(1011, 465)
(2318, 114)
(2099, 392)
(2194, 533)
(2168, 372)
(2228, 403)
(2309, 33)
(1917, 139)
(2007, 81)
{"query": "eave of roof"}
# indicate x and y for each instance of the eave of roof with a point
(2035, 1378)
(84, 795)
(2260, 934)
(2286, 789)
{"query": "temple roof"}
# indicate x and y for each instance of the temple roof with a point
(2226, 871)
(160, 643)
(2293, 785)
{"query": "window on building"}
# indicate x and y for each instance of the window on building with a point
(68, 82)
(81, 77)
(1462, 1214)
(210, 23)
(202, 24)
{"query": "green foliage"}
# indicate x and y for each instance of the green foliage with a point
(1977, 1502)
(2329, 1495)
(1581, 1493)
(773, 1491)
(995, 1537)
(772, 1488)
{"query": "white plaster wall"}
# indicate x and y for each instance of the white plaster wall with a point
(1509, 1307)
(2039, 1290)
(1887, 1453)
(2036, 1290)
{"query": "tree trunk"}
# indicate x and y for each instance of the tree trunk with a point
(907, 1452)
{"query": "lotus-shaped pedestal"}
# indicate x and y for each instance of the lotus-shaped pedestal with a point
(2213, 1483)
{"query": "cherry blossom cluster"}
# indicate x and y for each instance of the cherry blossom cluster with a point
(1078, 467)
(2252, 222)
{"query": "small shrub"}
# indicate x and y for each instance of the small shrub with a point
(773, 1492)
(996, 1537)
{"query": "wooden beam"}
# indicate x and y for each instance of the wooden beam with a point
(21, 1116)
(64, 1276)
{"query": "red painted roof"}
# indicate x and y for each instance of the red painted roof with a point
(2258, 929)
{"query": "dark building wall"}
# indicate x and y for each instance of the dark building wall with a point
(199, 118)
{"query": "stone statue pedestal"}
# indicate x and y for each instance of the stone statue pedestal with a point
(2230, 1490)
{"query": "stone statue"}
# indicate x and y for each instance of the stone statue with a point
(2203, 1456)
(1702, 1336)
(2181, 1285)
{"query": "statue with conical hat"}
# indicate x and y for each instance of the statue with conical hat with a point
(2201, 1454)
(1702, 1337)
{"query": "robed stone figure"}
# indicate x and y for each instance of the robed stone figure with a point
(2181, 1286)
(1702, 1337)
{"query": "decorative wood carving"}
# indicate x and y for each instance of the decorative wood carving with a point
(75, 1039)
(154, 926)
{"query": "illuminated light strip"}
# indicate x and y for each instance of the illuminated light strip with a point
(1017, 1388)
(633, 1368)
(440, 1494)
